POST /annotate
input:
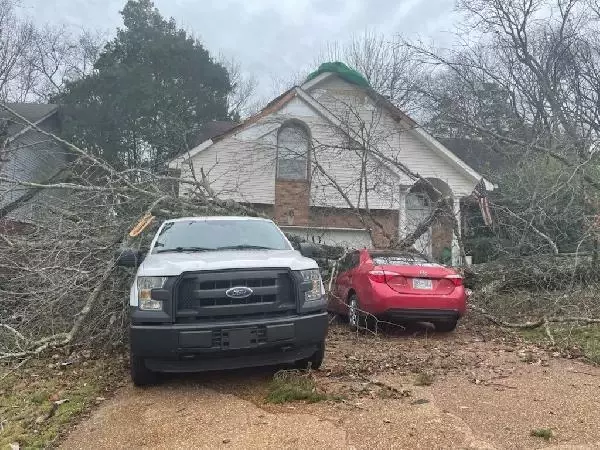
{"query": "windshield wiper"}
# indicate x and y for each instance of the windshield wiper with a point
(184, 249)
(245, 247)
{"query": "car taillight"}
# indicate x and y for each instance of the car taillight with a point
(381, 276)
(397, 281)
(389, 277)
(455, 279)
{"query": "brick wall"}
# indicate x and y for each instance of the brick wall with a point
(292, 202)
(292, 209)
(344, 218)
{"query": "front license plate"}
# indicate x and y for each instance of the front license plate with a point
(422, 283)
(240, 338)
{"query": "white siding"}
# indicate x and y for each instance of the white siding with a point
(389, 137)
(242, 166)
(32, 157)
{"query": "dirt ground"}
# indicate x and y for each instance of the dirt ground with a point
(475, 388)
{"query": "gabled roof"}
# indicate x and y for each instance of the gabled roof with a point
(477, 154)
(33, 112)
(210, 130)
(378, 99)
(273, 106)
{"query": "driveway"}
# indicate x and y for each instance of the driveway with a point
(468, 389)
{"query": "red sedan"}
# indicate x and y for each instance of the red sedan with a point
(398, 287)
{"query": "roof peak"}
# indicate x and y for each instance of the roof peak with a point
(343, 71)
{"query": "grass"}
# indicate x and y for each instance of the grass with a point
(40, 401)
(424, 379)
(292, 385)
(544, 433)
(570, 339)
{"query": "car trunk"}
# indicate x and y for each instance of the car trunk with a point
(422, 279)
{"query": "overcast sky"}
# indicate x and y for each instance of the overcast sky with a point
(273, 39)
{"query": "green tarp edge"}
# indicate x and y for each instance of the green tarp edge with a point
(345, 72)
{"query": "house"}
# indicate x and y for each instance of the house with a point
(26, 155)
(335, 162)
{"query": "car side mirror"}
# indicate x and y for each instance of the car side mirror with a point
(308, 250)
(130, 257)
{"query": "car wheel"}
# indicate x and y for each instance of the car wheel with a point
(140, 374)
(446, 326)
(354, 313)
(315, 360)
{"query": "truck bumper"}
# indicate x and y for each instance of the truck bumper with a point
(228, 345)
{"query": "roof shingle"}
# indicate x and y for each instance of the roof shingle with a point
(33, 112)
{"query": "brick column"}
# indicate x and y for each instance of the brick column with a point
(292, 202)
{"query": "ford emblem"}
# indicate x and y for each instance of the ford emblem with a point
(239, 292)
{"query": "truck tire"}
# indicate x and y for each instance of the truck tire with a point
(140, 374)
(445, 326)
(315, 360)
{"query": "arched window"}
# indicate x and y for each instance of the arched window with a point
(293, 145)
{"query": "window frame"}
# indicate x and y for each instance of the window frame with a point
(294, 124)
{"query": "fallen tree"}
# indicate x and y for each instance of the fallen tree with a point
(59, 241)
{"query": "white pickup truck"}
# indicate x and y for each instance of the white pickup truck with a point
(223, 293)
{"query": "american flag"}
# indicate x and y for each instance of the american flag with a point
(484, 205)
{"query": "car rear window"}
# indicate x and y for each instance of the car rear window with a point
(401, 260)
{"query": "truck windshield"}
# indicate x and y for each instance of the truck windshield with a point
(212, 235)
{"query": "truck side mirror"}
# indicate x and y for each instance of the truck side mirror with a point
(130, 257)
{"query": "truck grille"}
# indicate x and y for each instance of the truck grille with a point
(203, 295)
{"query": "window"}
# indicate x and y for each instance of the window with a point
(401, 259)
(292, 152)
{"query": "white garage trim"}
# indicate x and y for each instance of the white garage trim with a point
(342, 237)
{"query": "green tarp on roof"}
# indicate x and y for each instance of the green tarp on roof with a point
(345, 72)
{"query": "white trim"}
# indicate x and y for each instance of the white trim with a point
(402, 217)
(421, 132)
(307, 98)
(174, 164)
(437, 145)
(353, 134)
(316, 80)
(455, 247)
(433, 143)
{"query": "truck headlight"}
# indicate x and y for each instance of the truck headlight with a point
(144, 287)
(317, 290)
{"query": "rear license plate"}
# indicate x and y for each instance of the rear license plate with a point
(422, 283)
(240, 338)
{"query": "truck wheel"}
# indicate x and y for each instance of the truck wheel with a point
(315, 360)
(446, 326)
(140, 374)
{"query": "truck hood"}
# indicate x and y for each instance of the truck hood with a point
(173, 264)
